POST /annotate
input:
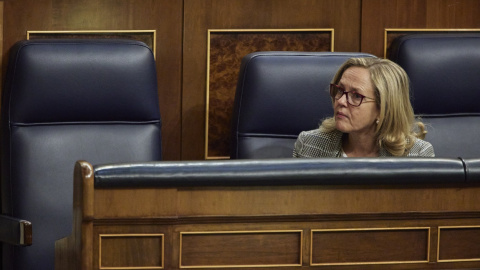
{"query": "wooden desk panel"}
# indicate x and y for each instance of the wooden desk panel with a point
(277, 227)
(293, 200)
(370, 246)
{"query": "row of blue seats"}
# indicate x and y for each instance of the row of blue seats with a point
(96, 100)
(279, 94)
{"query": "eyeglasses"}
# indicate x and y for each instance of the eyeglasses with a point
(353, 98)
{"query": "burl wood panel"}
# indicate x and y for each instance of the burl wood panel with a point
(226, 52)
(131, 251)
(459, 244)
(230, 249)
(372, 246)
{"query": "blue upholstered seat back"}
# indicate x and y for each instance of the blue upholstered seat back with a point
(280, 94)
(444, 71)
(63, 101)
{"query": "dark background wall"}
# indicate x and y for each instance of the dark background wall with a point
(182, 40)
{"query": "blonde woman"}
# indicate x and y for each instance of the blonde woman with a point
(373, 116)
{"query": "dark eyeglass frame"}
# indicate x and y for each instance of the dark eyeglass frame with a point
(334, 88)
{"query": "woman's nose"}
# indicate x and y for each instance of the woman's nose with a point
(343, 100)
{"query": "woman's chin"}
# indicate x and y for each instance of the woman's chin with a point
(341, 127)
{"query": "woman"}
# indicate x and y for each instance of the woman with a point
(372, 117)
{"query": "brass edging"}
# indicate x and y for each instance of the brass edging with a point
(240, 232)
(438, 245)
(207, 96)
(385, 38)
(99, 32)
(370, 229)
(131, 235)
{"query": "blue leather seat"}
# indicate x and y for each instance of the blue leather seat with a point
(280, 94)
(63, 101)
(445, 88)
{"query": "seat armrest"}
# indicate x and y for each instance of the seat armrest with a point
(15, 231)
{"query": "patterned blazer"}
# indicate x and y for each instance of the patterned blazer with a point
(315, 144)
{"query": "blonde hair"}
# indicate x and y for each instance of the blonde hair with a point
(397, 127)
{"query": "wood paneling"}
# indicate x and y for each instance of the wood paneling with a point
(392, 34)
(370, 246)
(249, 14)
(227, 48)
(164, 16)
(323, 200)
(110, 205)
(413, 14)
(459, 244)
(182, 26)
(241, 249)
(1, 43)
(145, 36)
(131, 251)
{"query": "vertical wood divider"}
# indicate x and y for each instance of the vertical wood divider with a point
(87, 211)
(75, 251)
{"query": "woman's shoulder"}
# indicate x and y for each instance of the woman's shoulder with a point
(314, 132)
(421, 148)
(317, 143)
(317, 135)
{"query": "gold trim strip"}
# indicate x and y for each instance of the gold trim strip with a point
(207, 96)
(99, 32)
(210, 31)
(274, 30)
(385, 38)
(161, 235)
(240, 232)
(454, 227)
(370, 229)
(85, 31)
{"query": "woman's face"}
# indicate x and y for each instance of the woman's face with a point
(361, 119)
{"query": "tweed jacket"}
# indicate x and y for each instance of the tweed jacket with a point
(316, 144)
